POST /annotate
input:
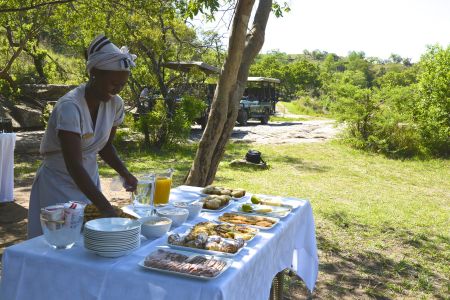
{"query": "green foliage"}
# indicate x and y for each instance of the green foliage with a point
(297, 75)
(278, 9)
(394, 131)
(389, 106)
(433, 108)
(395, 75)
(379, 120)
(394, 108)
(176, 128)
(305, 105)
(46, 113)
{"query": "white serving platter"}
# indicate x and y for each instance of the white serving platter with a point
(277, 211)
(217, 210)
(190, 254)
(290, 201)
(204, 251)
(276, 220)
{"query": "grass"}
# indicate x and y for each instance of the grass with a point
(287, 119)
(299, 107)
(382, 225)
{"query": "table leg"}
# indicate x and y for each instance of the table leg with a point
(276, 291)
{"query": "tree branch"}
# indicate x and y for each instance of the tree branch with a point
(25, 8)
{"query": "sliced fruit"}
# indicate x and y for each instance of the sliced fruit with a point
(247, 208)
(255, 200)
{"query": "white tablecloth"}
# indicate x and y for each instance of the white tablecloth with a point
(32, 270)
(7, 143)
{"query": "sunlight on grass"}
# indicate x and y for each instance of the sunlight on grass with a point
(381, 224)
(382, 221)
(287, 119)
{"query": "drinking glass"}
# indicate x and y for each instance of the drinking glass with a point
(163, 185)
(144, 195)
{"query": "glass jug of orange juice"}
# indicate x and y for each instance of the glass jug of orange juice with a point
(162, 187)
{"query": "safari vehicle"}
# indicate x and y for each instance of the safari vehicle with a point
(259, 99)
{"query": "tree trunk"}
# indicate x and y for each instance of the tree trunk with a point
(230, 89)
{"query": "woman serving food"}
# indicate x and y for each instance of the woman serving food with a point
(82, 124)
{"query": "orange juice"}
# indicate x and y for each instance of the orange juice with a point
(162, 190)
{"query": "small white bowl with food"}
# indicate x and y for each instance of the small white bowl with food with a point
(154, 226)
(194, 208)
(176, 214)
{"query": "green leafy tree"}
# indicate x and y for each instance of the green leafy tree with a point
(433, 107)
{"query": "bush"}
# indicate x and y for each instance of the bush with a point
(380, 120)
(309, 106)
(394, 132)
(432, 112)
(46, 113)
(161, 130)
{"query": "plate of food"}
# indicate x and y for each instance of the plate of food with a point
(224, 230)
(293, 203)
(260, 222)
(278, 210)
(201, 242)
(236, 194)
(215, 203)
(186, 264)
(263, 210)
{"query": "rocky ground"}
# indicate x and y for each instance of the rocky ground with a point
(13, 215)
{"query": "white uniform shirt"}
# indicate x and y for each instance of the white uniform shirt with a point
(53, 183)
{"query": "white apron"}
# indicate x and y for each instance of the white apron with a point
(52, 183)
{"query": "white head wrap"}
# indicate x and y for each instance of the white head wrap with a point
(104, 55)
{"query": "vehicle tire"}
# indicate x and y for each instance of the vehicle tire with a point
(265, 119)
(202, 122)
(242, 117)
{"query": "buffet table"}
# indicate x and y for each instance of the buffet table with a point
(33, 270)
(7, 144)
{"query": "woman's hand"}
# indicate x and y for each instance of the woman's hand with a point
(130, 182)
(109, 213)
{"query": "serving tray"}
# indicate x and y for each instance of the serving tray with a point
(216, 210)
(276, 220)
(207, 252)
(278, 211)
(189, 254)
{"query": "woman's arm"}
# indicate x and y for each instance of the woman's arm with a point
(109, 155)
(71, 149)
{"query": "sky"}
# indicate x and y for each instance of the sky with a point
(376, 27)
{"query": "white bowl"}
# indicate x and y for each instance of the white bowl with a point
(194, 208)
(177, 215)
(154, 226)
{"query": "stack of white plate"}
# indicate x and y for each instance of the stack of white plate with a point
(112, 237)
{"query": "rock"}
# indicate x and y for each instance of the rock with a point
(42, 93)
(27, 116)
(28, 141)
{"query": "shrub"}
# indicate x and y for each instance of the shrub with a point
(46, 113)
(380, 120)
(160, 130)
(432, 112)
(393, 129)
